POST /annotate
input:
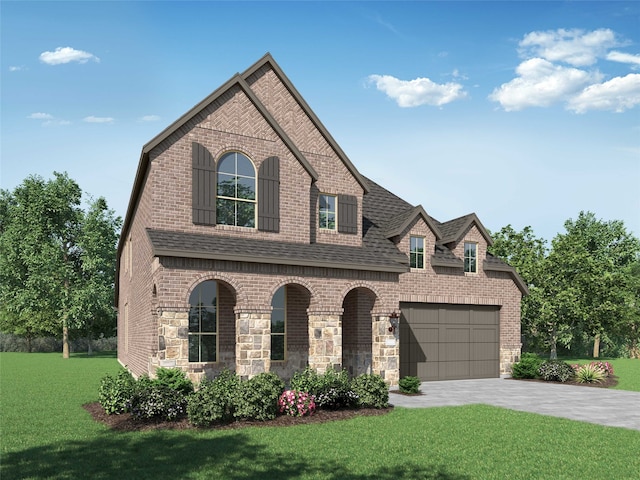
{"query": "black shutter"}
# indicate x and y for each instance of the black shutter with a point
(203, 200)
(269, 195)
(347, 214)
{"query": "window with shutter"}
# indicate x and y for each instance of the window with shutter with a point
(269, 195)
(236, 191)
(203, 201)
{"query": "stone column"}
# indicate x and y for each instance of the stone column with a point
(386, 349)
(325, 340)
(509, 354)
(173, 338)
(253, 341)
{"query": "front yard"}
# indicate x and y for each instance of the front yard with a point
(47, 434)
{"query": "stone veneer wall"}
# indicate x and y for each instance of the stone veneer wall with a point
(253, 343)
(325, 340)
(386, 350)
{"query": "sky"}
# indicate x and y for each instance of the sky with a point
(525, 113)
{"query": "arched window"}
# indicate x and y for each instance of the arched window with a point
(203, 322)
(236, 191)
(279, 324)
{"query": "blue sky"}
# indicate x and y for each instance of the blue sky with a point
(523, 112)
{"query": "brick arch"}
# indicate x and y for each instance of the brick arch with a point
(368, 286)
(296, 281)
(235, 148)
(240, 294)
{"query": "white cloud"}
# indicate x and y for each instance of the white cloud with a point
(41, 116)
(150, 118)
(16, 68)
(420, 91)
(575, 47)
(622, 57)
(92, 119)
(618, 94)
(49, 120)
(542, 80)
(66, 55)
(540, 83)
(56, 122)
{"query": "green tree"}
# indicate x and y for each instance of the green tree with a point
(92, 305)
(53, 268)
(592, 260)
(527, 254)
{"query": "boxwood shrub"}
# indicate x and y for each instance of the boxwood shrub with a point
(115, 392)
(409, 384)
(257, 398)
(527, 367)
(371, 391)
(214, 401)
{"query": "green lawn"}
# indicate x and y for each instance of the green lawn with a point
(46, 434)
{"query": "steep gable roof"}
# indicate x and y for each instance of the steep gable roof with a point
(401, 222)
(453, 230)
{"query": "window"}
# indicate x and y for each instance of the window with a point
(278, 324)
(416, 252)
(327, 212)
(236, 191)
(470, 257)
(203, 322)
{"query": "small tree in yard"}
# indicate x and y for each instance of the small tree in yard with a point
(57, 263)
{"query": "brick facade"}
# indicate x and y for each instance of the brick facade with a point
(337, 314)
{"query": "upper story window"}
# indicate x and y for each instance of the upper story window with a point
(470, 257)
(236, 191)
(416, 252)
(327, 212)
(279, 324)
(203, 322)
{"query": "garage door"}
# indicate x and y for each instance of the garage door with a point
(449, 342)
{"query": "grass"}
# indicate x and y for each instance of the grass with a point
(46, 434)
(626, 369)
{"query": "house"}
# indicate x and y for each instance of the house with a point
(251, 242)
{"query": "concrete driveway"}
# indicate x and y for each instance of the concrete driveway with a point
(615, 408)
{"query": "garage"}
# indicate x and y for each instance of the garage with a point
(449, 342)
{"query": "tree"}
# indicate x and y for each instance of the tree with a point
(586, 286)
(592, 260)
(92, 305)
(527, 254)
(53, 268)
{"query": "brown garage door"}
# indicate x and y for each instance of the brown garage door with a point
(449, 342)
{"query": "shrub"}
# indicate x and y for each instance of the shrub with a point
(257, 398)
(296, 404)
(307, 380)
(371, 390)
(214, 401)
(331, 389)
(151, 399)
(175, 379)
(335, 391)
(115, 392)
(590, 373)
(556, 371)
(527, 367)
(409, 384)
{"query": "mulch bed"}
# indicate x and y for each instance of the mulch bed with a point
(126, 423)
(608, 382)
